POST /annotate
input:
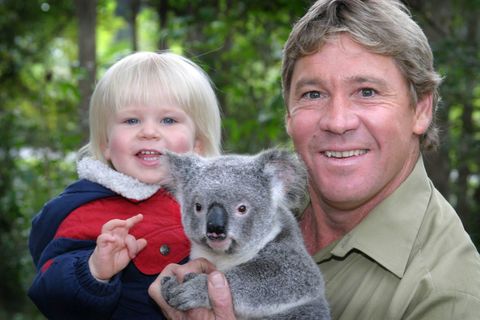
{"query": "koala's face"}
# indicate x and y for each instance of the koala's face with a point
(229, 203)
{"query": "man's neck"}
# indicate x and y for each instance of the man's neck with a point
(321, 227)
(323, 224)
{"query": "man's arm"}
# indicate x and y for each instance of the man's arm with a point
(446, 305)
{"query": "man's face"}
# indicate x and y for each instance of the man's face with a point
(351, 120)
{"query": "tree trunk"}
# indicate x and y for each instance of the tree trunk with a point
(86, 13)
(162, 12)
(132, 21)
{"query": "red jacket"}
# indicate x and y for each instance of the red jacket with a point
(64, 235)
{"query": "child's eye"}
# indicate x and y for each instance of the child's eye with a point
(132, 121)
(367, 92)
(168, 120)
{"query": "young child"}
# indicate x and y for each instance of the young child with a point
(99, 245)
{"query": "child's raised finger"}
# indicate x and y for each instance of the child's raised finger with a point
(118, 223)
(113, 224)
(134, 220)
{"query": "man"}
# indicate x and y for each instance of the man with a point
(361, 95)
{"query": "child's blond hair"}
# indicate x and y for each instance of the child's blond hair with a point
(145, 78)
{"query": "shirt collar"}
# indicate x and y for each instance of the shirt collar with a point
(388, 233)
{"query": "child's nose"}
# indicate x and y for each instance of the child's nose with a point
(150, 131)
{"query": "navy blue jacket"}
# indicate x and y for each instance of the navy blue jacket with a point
(63, 287)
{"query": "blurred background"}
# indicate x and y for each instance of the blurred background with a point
(52, 52)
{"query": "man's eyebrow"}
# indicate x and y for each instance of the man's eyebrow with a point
(315, 82)
(306, 82)
(368, 79)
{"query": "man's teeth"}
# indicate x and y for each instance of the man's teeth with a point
(344, 154)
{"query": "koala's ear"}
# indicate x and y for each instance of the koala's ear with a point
(288, 176)
(179, 168)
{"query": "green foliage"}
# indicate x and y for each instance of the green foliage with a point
(239, 44)
(38, 98)
(458, 58)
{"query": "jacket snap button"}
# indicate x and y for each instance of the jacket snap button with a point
(164, 250)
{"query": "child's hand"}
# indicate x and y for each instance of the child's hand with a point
(115, 248)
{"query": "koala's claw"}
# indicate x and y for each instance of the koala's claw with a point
(192, 293)
(189, 276)
(165, 280)
(168, 285)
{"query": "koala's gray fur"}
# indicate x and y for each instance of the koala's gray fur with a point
(237, 212)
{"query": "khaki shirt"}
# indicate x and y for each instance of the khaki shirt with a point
(410, 258)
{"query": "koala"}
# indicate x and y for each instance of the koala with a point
(237, 211)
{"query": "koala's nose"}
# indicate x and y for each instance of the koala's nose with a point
(217, 220)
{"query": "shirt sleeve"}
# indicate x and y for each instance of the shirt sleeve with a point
(445, 305)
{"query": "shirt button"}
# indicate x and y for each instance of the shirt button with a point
(164, 250)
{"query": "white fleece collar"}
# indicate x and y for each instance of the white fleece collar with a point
(101, 173)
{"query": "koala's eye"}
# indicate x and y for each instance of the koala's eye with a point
(242, 209)
(198, 207)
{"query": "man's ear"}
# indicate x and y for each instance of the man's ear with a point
(423, 114)
(287, 123)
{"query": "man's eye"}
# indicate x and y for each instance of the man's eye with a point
(168, 121)
(367, 92)
(312, 95)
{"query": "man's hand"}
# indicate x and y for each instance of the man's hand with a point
(218, 291)
(116, 247)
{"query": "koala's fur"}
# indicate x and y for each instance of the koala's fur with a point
(237, 212)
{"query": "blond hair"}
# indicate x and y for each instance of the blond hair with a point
(144, 78)
(384, 27)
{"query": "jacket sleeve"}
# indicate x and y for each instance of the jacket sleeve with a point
(45, 224)
(63, 288)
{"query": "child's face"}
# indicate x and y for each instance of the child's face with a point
(137, 136)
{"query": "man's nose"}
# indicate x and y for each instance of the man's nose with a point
(339, 115)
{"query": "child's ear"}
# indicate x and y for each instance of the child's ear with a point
(423, 114)
(198, 147)
(106, 151)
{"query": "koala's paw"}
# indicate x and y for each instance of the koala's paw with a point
(192, 293)
(168, 285)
